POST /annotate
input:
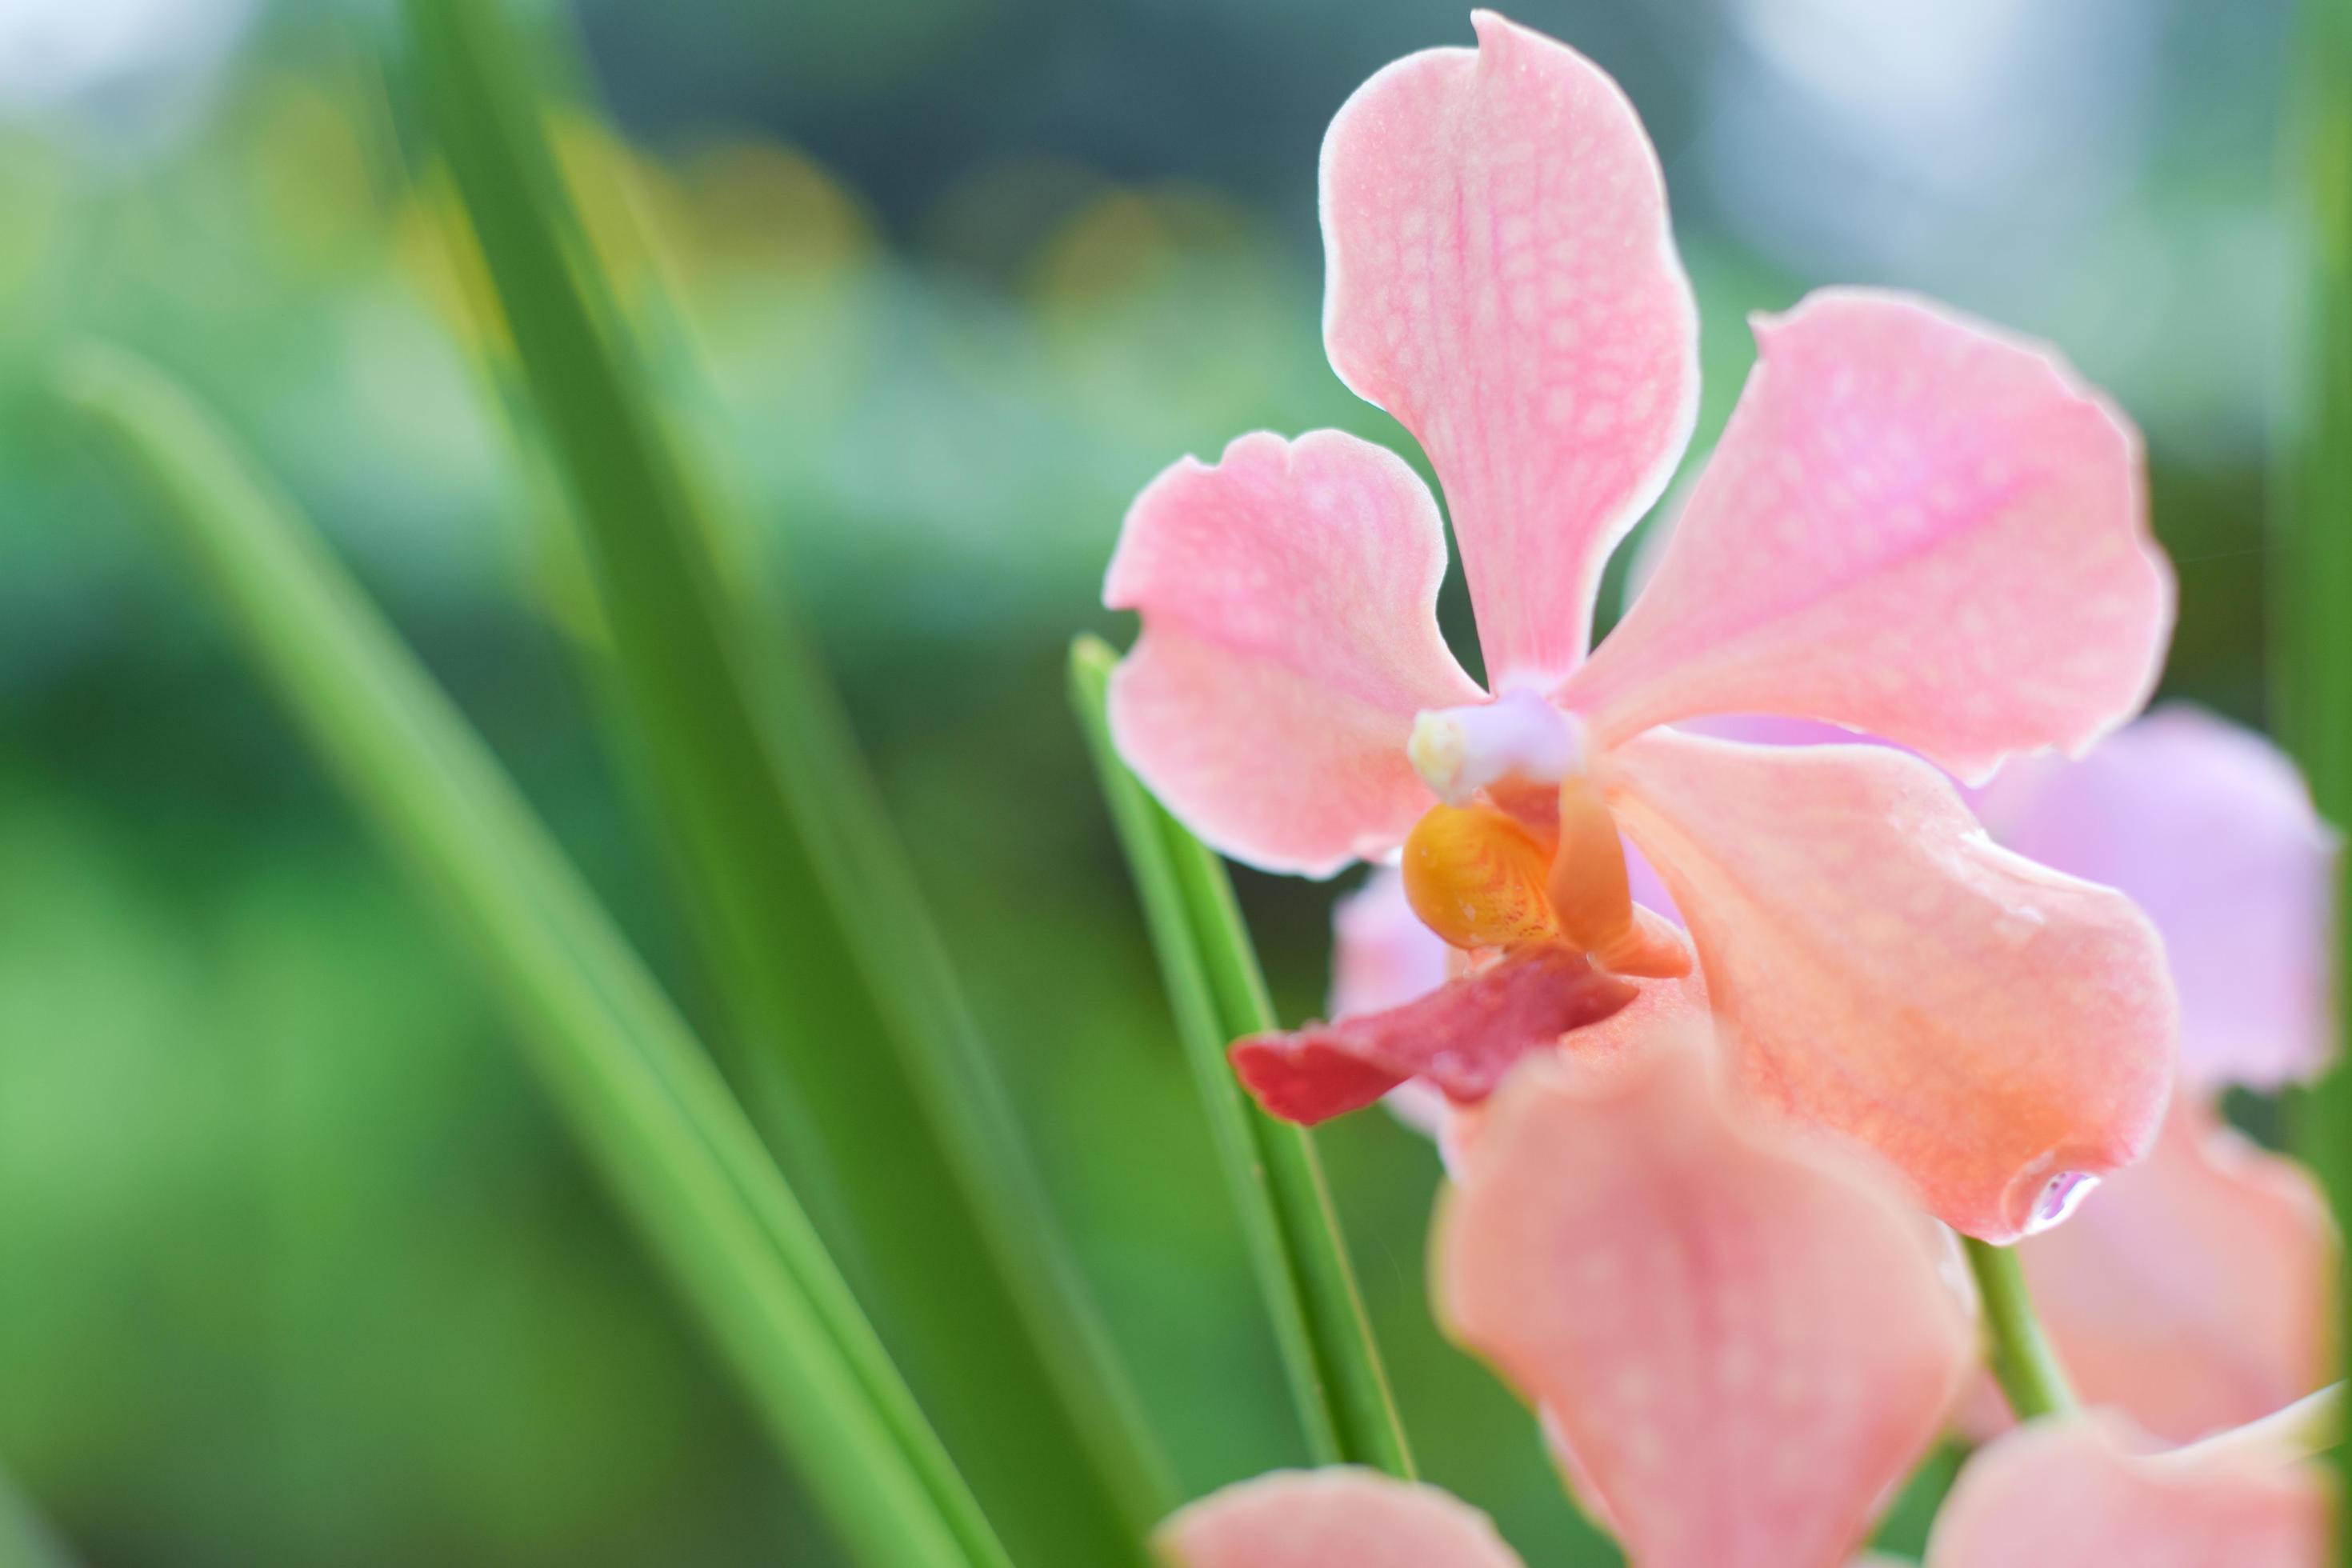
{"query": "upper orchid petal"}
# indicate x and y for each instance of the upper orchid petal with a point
(1913, 527)
(1289, 603)
(1737, 1347)
(1320, 1519)
(2211, 830)
(1992, 1028)
(2193, 1290)
(2083, 1491)
(1501, 277)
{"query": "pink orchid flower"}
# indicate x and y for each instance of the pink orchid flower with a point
(1323, 1518)
(1737, 1346)
(1913, 526)
(2089, 1491)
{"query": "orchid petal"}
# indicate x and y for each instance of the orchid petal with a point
(1502, 279)
(2211, 830)
(2193, 1288)
(1737, 1347)
(1322, 1518)
(1881, 968)
(1913, 527)
(1463, 1036)
(2082, 1491)
(1382, 956)
(1289, 602)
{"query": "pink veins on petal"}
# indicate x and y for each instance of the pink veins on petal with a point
(1914, 526)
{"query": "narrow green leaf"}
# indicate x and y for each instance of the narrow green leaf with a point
(2022, 1361)
(2312, 662)
(26, 1540)
(848, 1031)
(639, 1093)
(1218, 994)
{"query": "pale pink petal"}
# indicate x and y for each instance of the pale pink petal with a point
(2084, 1492)
(2193, 1290)
(1738, 1347)
(1501, 279)
(1382, 956)
(1338, 1518)
(1913, 527)
(1463, 1036)
(1988, 1025)
(2211, 830)
(1289, 602)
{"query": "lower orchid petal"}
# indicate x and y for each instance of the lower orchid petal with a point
(2193, 1290)
(1289, 596)
(2084, 1491)
(1914, 527)
(1994, 1029)
(2211, 830)
(1322, 1519)
(1462, 1037)
(1737, 1347)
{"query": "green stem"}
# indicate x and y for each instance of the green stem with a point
(2022, 1361)
(637, 1088)
(2311, 669)
(846, 1033)
(1218, 994)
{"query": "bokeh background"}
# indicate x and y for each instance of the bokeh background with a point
(295, 1266)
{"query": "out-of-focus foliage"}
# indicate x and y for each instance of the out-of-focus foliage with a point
(293, 1265)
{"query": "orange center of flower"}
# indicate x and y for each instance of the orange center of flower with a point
(1482, 876)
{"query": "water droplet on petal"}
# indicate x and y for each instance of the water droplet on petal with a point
(2061, 1195)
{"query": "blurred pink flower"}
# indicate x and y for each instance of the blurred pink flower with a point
(1738, 1347)
(1913, 526)
(1331, 1517)
(2088, 1491)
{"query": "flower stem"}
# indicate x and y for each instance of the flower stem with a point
(2022, 1361)
(1217, 994)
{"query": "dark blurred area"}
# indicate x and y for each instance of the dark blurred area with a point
(294, 1265)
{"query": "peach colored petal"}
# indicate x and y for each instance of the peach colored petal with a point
(1738, 1347)
(1289, 603)
(2084, 1492)
(1501, 277)
(1463, 1036)
(1382, 956)
(1883, 970)
(2193, 1290)
(2211, 830)
(1913, 527)
(1336, 1518)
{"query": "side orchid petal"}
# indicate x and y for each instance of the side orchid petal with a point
(1994, 1029)
(1320, 1519)
(1289, 604)
(1913, 527)
(1502, 279)
(2211, 830)
(2083, 1491)
(1463, 1037)
(1738, 1348)
(2193, 1290)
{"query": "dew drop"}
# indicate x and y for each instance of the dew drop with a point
(2061, 1195)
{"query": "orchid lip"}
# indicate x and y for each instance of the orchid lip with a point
(1518, 736)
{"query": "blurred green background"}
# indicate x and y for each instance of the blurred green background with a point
(295, 1266)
